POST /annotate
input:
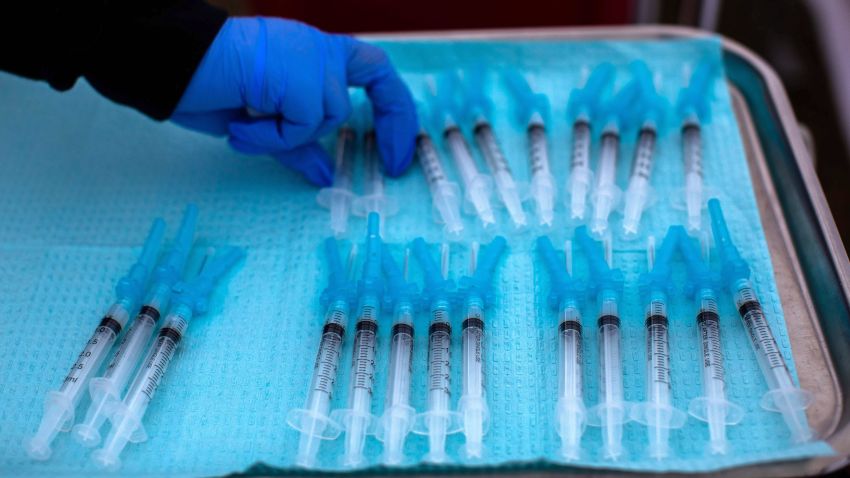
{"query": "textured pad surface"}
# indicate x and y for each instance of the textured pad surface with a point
(82, 179)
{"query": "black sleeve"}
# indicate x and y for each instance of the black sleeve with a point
(141, 53)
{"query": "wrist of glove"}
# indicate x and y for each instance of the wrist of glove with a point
(294, 80)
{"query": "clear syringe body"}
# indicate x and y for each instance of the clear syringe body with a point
(60, 405)
(313, 420)
(473, 401)
(692, 157)
(611, 412)
(127, 417)
(501, 171)
(657, 413)
(339, 197)
(444, 194)
(638, 192)
(358, 419)
(570, 413)
(108, 388)
(542, 181)
(708, 324)
(398, 414)
(373, 185)
(713, 407)
(475, 184)
(606, 193)
(578, 183)
(783, 395)
(374, 198)
(439, 421)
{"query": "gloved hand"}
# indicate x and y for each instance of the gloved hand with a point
(294, 79)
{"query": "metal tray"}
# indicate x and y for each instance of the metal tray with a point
(811, 265)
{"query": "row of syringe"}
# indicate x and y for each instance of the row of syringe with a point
(146, 292)
(383, 283)
(340, 199)
(657, 412)
(591, 109)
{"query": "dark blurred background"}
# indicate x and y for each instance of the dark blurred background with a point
(806, 42)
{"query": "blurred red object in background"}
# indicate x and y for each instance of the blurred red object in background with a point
(395, 15)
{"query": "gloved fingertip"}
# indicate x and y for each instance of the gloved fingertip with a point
(311, 161)
(322, 177)
(396, 135)
(399, 157)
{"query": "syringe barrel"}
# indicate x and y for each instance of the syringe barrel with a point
(461, 155)
(91, 358)
(156, 363)
(605, 194)
(344, 158)
(769, 356)
(363, 360)
(133, 344)
(578, 181)
(107, 390)
(692, 149)
(439, 356)
(658, 385)
(59, 408)
(637, 193)
(506, 187)
(580, 157)
(644, 153)
(538, 150)
(570, 352)
(429, 160)
(608, 152)
(401, 357)
(490, 149)
(327, 358)
(509, 194)
(373, 184)
(708, 325)
(472, 337)
(692, 155)
(611, 381)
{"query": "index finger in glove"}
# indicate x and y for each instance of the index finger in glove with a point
(396, 124)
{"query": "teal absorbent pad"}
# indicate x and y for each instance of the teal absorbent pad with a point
(82, 178)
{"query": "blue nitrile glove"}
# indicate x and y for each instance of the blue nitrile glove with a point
(294, 80)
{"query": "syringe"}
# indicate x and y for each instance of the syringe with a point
(339, 197)
(313, 420)
(477, 187)
(783, 395)
(108, 388)
(612, 411)
(615, 116)
(712, 407)
(564, 296)
(582, 111)
(397, 420)
(188, 300)
(60, 405)
(477, 108)
(357, 420)
(657, 412)
(374, 198)
(476, 292)
(445, 195)
(693, 109)
(533, 112)
(650, 111)
(438, 294)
